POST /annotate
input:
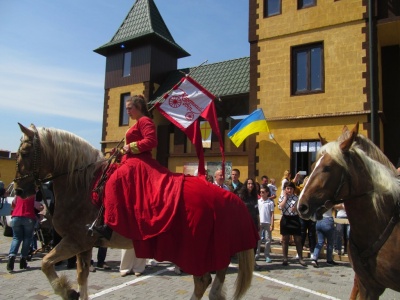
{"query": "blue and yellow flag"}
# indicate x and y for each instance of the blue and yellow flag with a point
(255, 122)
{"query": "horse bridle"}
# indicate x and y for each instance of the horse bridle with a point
(345, 176)
(36, 160)
(37, 163)
(374, 248)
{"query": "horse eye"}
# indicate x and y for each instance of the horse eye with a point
(326, 169)
(24, 154)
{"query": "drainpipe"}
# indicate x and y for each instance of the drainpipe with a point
(371, 48)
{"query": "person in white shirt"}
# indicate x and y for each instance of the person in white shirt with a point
(266, 210)
(342, 230)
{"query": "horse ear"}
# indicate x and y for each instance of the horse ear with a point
(345, 129)
(355, 129)
(28, 132)
(346, 144)
(33, 127)
(322, 139)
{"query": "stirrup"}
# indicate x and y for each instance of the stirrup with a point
(104, 231)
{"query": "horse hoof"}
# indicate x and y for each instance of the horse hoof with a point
(73, 295)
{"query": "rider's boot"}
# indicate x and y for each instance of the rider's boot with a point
(103, 231)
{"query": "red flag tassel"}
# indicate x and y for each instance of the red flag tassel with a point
(210, 115)
(199, 149)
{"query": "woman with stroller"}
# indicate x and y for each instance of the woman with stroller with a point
(23, 224)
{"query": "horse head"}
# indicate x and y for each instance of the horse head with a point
(328, 181)
(28, 162)
(48, 154)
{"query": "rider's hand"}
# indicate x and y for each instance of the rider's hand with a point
(127, 148)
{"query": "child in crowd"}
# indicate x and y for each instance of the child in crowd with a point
(266, 210)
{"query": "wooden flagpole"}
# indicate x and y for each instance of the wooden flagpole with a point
(178, 83)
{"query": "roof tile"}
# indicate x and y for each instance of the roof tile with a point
(226, 78)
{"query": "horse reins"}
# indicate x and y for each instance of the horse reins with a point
(374, 248)
(36, 167)
(36, 158)
(37, 164)
(344, 177)
(330, 203)
(100, 184)
(383, 236)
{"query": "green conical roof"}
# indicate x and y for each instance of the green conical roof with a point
(143, 23)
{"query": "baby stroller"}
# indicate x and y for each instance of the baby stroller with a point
(43, 228)
(43, 235)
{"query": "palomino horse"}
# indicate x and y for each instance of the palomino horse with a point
(73, 165)
(372, 151)
(355, 172)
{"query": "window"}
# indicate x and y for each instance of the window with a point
(123, 115)
(127, 64)
(304, 154)
(272, 8)
(305, 3)
(308, 69)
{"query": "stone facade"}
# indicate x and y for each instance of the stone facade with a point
(340, 27)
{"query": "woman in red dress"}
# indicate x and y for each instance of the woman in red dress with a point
(170, 216)
(137, 163)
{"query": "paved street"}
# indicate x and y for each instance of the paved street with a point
(272, 281)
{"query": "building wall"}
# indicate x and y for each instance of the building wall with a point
(7, 170)
(344, 82)
(340, 26)
(292, 20)
(113, 131)
(343, 57)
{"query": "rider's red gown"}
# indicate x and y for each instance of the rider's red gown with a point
(173, 217)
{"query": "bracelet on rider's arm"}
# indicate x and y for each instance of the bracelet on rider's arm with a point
(134, 148)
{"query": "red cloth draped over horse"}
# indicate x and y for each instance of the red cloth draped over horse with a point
(182, 219)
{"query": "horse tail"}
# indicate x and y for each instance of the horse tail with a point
(245, 274)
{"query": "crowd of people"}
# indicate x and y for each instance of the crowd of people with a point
(306, 235)
(320, 234)
(259, 198)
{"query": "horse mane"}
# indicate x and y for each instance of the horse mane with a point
(69, 153)
(385, 181)
(370, 149)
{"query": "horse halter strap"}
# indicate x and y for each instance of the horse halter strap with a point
(377, 245)
(36, 160)
(330, 203)
(345, 175)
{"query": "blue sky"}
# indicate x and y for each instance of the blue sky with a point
(50, 76)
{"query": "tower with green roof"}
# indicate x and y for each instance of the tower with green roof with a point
(138, 58)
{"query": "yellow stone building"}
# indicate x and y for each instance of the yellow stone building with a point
(311, 64)
(7, 166)
(314, 66)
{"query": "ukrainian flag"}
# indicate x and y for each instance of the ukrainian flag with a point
(255, 122)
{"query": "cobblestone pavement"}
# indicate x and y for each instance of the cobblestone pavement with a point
(271, 281)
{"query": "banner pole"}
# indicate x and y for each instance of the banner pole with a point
(177, 84)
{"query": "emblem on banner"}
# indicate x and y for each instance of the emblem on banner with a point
(192, 108)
